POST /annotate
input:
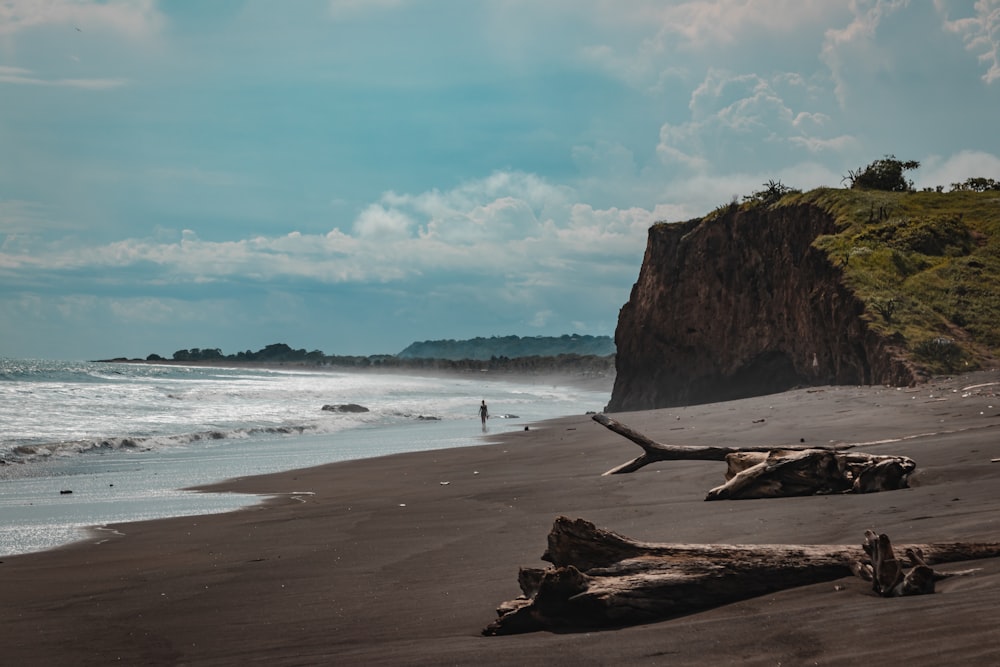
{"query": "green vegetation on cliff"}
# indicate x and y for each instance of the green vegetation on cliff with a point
(926, 264)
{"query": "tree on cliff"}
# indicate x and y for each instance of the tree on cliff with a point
(885, 174)
(773, 191)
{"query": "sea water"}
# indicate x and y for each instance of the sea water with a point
(86, 445)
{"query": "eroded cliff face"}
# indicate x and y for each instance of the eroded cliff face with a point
(743, 305)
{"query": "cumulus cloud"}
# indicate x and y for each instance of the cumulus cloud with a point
(844, 51)
(980, 31)
(379, 222)
(669, 33)
(507, 224)
(708, 23)
(735, 117)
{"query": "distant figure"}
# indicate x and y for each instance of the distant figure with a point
(484, 413)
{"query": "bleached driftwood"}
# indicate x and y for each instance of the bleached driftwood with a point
(886, 572)
(601, 579)
(770, 471)
(784, 472)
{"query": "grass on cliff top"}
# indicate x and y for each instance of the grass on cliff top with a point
(926, 264)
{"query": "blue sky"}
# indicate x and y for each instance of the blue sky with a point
(356, 175)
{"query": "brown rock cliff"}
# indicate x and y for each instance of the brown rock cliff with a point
(740, 304)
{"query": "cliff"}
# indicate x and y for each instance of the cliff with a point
(741, 303)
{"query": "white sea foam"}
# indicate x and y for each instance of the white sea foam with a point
(62, 409)
(124, 438)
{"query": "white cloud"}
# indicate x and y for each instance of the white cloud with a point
(540, 319)
(679, 145)
(736, 118)
(708, 23)
(842, 144)
(485, 228)
(505, 217)
(670, 33)
(643, 69)
(137, 19)
(980, 32)
(492, 229)
(24, 77)
(379, 222)
(945, 171)
(854, 45)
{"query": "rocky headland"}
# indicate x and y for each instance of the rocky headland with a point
(752, 300)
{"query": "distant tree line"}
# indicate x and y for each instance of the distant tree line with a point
(280, 353)
(510, 346)
(274, 353)
(568, 363)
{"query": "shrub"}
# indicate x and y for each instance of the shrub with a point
(773, 191)
(885, 174)
(978, 184)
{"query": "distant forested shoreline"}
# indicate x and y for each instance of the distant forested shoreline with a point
(518, 357)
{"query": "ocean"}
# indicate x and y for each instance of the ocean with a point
(86, 445)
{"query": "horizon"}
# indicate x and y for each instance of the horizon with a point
(165, 357)
(358, 176)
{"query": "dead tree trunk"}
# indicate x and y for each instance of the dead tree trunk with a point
(770, 471)
(602, 579)
(655, 451)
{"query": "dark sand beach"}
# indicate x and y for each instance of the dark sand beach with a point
(378, 562)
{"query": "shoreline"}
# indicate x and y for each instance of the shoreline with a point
(402, 559)
(140, 481)
(580, 380)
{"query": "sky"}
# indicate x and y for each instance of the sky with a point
(356, 175)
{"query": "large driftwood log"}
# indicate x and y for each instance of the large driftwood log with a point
(784, 472)
(771, 472)
(656, 451)
(601, 579)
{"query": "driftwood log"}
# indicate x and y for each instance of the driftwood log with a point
(773, 472)
(886, 572)
(602, 580)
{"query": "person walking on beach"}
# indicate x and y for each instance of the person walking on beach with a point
(484, 412)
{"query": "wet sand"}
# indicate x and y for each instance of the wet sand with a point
(402, 560)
